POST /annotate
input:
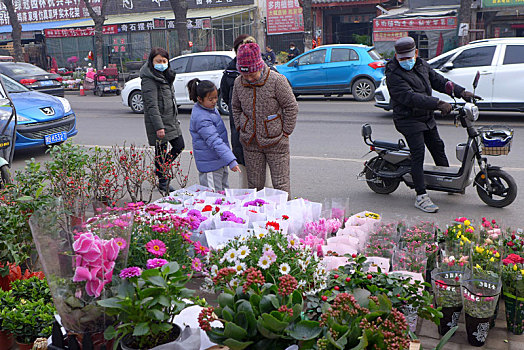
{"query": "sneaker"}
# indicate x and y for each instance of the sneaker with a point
(424, 203)
(164, 186)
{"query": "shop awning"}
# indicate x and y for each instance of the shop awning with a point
(214, 13)
(33, 27)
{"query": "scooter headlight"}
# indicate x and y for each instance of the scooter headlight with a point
(472, 111)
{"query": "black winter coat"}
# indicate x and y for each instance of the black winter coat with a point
(160, 111)
(410, 93)
(226, 91)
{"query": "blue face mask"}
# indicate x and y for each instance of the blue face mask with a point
(408, 64)
(161, 66)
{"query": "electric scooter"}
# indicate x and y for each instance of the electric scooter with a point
(8, 124)
(494, 186)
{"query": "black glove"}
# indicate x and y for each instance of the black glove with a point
(469, 96)
(444, 107)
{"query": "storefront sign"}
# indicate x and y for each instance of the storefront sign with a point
(75, 32)
(47, 10)
(159, 23)
(388, 36)
(502, 3)
(133, 6)
(414, 24)
(284, 16)
(25, 36)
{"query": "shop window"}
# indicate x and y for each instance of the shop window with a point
(514, 54)
(315, 57)
(477, 57)
(179, 65)
(343, 55)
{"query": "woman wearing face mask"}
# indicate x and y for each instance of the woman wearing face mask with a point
(410, 82)
(160, 113)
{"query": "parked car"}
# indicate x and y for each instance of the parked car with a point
(202, 65)
(500, 63)
(335, 69)
(42, 119)
(33, 77)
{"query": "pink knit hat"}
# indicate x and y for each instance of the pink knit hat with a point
(249, 59)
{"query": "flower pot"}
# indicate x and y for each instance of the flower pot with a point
(22, 346)
(6, 340)
(95, 341)
(514, 313)
(450, 318)
(494, 317)
(477, 330)
(171, 345)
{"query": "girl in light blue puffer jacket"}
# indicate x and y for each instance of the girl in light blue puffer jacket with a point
(209, 135)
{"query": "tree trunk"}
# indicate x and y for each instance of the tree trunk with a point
(180, 10)
(465, 17)
(99, 20)
(17, 31)
(308, 24)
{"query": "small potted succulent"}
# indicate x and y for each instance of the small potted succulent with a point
(146, 304)
(256, 314)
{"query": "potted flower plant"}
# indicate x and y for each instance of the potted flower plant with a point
(446, 288)
(513, 283)
(146, 304)
(257, 314)
(7, 301)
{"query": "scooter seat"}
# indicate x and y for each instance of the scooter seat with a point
(390, 145)
(441, 169)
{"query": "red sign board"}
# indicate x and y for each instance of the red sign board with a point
(414, 24)
(284, 16)
(29, 11)
(70, 32)
(388, 36)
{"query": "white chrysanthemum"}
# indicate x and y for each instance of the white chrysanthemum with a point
(321, 270)
(239, 267)
(231, 255)
(243, 239)
(264, 262)
(243, 251)
(301, 284)
(261, 234)
(266, 248)
(284, 268)
(303, 265)
(293, 242)
(214, 270)
(235, 282)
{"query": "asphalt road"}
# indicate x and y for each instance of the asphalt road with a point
(327, 154)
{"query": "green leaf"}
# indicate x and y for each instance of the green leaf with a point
(170, 268)
(113, 303)
(335, 343)
(241, 319)
(163, 300)
(266, 333)
(362, 297)
(254, 299)
(146, 300)
(446, 338)
(236, 345)
(226, 299)
(272, 323)
(227, 314)
(157, 314)
(141, 329)
(233, 331)
(267, 303)
(110, 333)
(296, 297)
(384, 303)
(305, 330)
(157, 281)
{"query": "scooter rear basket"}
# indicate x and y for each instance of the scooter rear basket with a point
(496, 140)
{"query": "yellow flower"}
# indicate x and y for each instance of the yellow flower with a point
(461, 243)
(478, 266)
(522, 272)
(479, 249)
(515, 268)
(471, 228)
(497, 255)
(467, 222)
(492, 260)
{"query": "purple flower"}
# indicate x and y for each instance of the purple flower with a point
(154, 263)
(255, 203)
(229, 216)
(130, 272)
(194, 212)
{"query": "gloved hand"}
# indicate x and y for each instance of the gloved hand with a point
(469, 96)
(444, 107)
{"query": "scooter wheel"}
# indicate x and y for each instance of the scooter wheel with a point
(5, 175)
(378, 184)
(503, 188)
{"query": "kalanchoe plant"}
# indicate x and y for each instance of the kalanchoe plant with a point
(146, 304)
(513, 275)
(369, 323)
(257, 314)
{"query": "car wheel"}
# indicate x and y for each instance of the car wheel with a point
(99, 93)
(136, 102)
(222, 106)
(363, 90)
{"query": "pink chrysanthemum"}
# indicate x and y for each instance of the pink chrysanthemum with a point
(154, 263)
(156, 247)
(122, 244)
(200, 249)
(196, 265)
(130, 272)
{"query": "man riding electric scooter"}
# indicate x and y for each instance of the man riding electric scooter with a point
(410, 81)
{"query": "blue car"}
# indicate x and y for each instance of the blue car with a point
(42, 119)
(335, 70)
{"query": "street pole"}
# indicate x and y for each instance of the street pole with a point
(465, 17)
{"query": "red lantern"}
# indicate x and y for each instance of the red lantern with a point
(190, 43)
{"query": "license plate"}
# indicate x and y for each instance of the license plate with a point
(54, 138)
(46, 83)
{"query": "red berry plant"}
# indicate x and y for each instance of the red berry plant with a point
(257, 314)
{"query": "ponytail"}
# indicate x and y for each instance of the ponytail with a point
(199, 88)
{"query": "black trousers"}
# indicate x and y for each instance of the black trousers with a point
(163, 158)
(435, 145)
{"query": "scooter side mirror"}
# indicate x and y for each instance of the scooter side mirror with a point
(366, 131)
(476, 80)
(450, 89)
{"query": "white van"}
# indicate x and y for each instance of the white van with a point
(500, 63)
